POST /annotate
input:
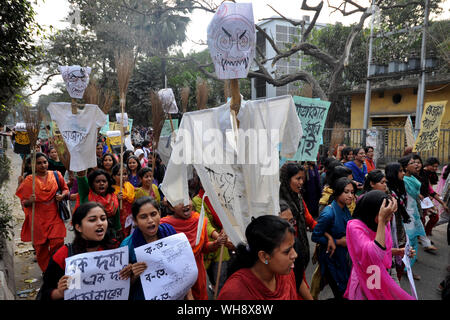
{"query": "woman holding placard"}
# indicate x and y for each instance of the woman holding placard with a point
(369, 244)
(90, 225)
(146, 217)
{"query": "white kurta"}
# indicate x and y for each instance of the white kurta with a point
(79, 132)
(241, 180)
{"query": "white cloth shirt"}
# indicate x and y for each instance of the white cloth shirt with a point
(238, 189)
(79, 132)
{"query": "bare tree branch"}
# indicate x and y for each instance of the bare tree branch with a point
(47, 79)
(269, 38)
(317, 9)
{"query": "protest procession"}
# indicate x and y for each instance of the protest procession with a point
(225, 151)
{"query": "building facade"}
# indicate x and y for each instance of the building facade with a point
(284, 35)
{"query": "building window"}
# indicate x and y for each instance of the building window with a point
(261, 42)
(260, 86)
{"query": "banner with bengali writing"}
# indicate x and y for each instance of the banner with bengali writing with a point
(95, 275)
(312, 114)
(428, 137)
(171, 268)
(409, 132)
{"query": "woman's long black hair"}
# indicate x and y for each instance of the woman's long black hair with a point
(398, 187)
(265, 233)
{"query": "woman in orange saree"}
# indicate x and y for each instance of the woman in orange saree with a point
(49, 229)
(185, 220)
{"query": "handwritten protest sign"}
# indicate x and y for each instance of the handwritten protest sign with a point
(106, 126)
(95, 275)
(167, 129)
(171, 268)
(431, 123)
(409, 133)
(312, 114)
(406, 261)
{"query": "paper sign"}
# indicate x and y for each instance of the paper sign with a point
(408, 267)
(76, 79)
(371, 139)
(426, 203)
(119, 118)
(171, 268)
(431, 123)
(95, 275)
(106, 126)
(167, 128)
(168, 100)
(409, 133)
(20, 127)
(232, 40)
(312, 114)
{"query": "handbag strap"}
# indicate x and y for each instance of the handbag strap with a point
(57, 179)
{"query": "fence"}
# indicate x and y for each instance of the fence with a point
(391, 143)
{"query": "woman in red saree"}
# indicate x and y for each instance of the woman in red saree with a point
(185, 220)
(265, 265)
(98, 187)
(49, 229)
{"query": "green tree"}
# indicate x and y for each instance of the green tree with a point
(17, 51)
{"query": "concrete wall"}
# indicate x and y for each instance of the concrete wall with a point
(7, 283)
(385, 105)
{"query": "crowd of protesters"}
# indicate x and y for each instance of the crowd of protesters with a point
(359, 216)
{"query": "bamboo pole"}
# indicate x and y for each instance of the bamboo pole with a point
(33, 191)
(235, 105)
(122, 108)
(219, 270)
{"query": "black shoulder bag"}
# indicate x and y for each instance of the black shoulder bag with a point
(63, 207)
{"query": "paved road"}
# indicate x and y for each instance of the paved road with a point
(431, 267)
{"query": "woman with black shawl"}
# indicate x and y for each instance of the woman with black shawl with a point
(292, 177)
(396, 188)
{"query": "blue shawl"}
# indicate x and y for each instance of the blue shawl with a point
(358, 174)
(412, 186)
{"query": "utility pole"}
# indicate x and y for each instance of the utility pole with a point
(421, 88)
(368, 88)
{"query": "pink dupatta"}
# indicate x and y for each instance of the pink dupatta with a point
(370, 264)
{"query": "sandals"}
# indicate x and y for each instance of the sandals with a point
(430, 249)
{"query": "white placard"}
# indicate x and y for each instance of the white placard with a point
(114, 133)
(426, 203)
(119, 119)
(76, 79)
(232, 40)
(95, 275)
(171, 268)
(408, 268)
(168, 101)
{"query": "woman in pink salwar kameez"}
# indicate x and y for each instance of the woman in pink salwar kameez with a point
(369, 244)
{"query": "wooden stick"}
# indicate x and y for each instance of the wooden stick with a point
(33, 190)
(122, 107)
(74, 106)
(171, 123)
(216, 287)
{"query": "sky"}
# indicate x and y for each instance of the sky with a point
(54, 12)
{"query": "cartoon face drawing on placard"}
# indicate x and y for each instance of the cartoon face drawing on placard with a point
(76, 79)
(168, 101)
(232, 39)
